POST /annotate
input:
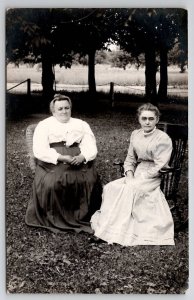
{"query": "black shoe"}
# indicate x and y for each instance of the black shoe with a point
(95, 240)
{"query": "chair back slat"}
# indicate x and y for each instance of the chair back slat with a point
(179, 135)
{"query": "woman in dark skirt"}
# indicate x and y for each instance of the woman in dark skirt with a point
(66, 187)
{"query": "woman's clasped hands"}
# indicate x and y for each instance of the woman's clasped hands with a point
(72, 160)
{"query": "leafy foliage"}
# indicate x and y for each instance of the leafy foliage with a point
(152, 32)
(59, 36)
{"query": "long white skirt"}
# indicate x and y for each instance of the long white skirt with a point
(134, 213)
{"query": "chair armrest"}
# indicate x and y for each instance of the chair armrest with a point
(167, 170)
(118, 162)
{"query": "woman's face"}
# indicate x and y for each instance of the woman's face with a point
(148, 120)
(62, 111)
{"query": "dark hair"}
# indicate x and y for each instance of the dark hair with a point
(148, 106)
(59, 97)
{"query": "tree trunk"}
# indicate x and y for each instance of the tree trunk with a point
(150, 75)
(91, 72)
(47, 76)
(162, 92)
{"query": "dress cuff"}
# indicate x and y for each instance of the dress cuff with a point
(125, 173)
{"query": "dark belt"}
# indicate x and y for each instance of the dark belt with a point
(62, 144)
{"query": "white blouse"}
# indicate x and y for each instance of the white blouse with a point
(155, 146)
(50, 130)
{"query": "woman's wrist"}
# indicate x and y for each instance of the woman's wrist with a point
(128, 173)
(82, 157)
(60, 158)
(63, 158)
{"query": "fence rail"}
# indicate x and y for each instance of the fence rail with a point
(28, 81)
(111, 87)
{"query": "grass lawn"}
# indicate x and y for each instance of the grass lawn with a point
(42, 262)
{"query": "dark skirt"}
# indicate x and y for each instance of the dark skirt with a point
(64, 197)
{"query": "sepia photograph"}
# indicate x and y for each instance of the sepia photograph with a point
(97, 193)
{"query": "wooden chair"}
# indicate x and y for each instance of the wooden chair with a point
(170, 177)
(29, 141)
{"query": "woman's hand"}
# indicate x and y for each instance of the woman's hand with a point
(77, 160)
(68, 159)
(65, 158)
(129, 176)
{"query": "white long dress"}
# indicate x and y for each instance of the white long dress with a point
(137, 213)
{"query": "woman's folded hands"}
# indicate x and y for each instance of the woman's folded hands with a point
(77, 160)
(72, 160)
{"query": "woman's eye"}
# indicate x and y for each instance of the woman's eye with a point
(149, 119)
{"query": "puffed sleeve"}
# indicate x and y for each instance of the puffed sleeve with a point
(41, 147)
(88, 143)
(161, 155)
(131, 159)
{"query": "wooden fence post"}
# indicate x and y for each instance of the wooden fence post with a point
(112, 94)
(28, 87)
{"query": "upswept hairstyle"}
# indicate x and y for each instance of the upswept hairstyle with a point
(150, 107)
(59, 97)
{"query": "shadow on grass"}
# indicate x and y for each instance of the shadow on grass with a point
(21, 105)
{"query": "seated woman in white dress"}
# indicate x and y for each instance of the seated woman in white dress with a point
(134, 210)
(66, 187)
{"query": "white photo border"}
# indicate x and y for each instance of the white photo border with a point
(187, 4)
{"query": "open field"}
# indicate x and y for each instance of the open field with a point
(130, 80)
